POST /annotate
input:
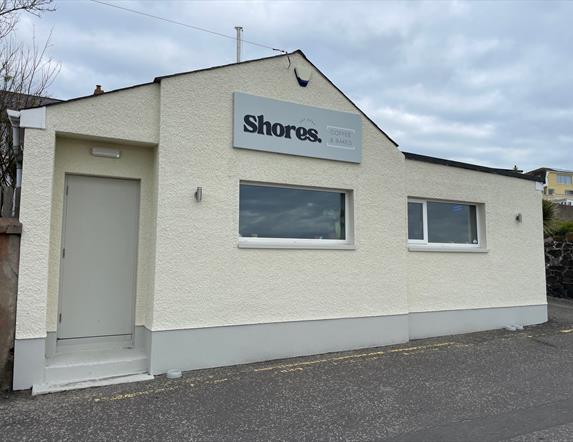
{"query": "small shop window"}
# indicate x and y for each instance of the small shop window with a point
(443, 223)
(292, 215)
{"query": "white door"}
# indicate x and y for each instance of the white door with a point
(99, 257)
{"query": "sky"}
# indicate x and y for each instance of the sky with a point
(481, 82)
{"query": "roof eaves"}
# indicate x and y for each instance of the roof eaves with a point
(71, 100)
(158, 79)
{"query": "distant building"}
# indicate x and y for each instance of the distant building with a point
(558, 184)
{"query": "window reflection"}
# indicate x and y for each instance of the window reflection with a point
(284, 212)
(415, 221)
(452, 223)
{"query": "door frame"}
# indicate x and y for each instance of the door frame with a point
(109, 339)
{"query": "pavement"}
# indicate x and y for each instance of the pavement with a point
(489, 386)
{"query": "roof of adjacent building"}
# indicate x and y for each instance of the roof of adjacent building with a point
(19, 101)
(547, 169)
(444, 162)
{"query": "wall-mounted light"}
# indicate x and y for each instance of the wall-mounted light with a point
(199, 194)
(105, 152)
(518, 217)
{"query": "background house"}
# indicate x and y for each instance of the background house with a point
(558, 184)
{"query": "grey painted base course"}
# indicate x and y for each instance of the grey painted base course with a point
(29, 362)
(217, 346)
(449, 322)
(190, 349)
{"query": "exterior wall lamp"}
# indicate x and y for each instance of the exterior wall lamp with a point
(199, 194)
(105, 152)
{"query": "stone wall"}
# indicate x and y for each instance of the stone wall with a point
(10, 230)
(559, 267)
(564, 213)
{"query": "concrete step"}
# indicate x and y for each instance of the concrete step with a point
(54, 388)
(94, 364)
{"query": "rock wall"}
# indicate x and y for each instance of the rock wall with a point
(564, 213)
(559, 267)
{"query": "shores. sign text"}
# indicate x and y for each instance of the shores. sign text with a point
(283, 127)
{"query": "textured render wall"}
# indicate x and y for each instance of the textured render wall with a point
(35, 211)
(511, 273)
(131, 115)
(128, 115)
(73, 156)
(202, 278)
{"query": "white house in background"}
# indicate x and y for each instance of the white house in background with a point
(237, 214)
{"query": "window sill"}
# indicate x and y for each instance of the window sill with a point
(286, 245)
(414, 248)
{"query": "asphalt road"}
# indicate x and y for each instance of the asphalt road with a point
(492, 386)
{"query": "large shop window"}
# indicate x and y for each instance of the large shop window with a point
(443, 223)
(272, 215)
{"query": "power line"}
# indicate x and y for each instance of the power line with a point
(196, 28)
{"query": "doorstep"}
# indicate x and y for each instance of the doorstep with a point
(94, 367)
(55, 388)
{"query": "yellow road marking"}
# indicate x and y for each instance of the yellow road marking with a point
(421, 347)
(318, 361)
(290, 370)
(118, 397)
(298, 367)
(218, 381)
(352, 357)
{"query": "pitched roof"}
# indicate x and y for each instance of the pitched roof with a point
(298, 51)
(408, 155)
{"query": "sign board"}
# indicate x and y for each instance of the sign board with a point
(293, 129)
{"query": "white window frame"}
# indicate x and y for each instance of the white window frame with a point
(424, 221)
(425, 243)
(304, 243)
